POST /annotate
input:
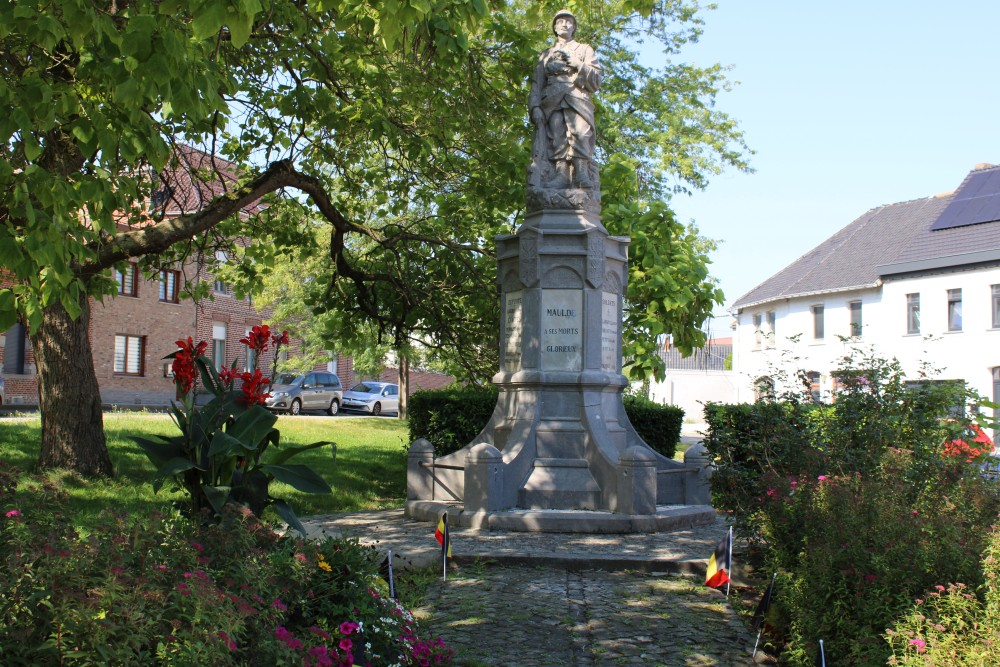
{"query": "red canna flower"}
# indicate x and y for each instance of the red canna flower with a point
(258, 339)
(183, 364)
(254, 385)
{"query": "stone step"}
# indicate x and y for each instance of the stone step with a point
(562, 484)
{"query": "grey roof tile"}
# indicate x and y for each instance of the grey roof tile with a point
(851, 257)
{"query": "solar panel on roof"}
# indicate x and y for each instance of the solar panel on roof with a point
(977, 201)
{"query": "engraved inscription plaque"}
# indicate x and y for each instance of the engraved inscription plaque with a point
(609, 332)
(562, 330)
(512, 327)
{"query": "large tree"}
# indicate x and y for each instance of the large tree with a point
(360, 112)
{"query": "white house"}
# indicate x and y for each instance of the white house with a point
(918, 281)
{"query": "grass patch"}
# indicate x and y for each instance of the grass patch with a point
(369, 471)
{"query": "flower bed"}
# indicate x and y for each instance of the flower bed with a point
(169, 590)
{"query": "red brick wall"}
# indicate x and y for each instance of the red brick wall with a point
(419, 379)
(158, 323)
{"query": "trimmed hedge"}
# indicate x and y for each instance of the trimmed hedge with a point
(659, 425)
(450, 418)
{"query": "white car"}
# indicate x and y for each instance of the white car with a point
(372, 397)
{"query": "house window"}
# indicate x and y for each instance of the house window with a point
(168, 285)
(15, 350)
(763, 389)
(996, 306)
(954, 310)
(757, 333)
(813, 383)
(855, 307)
(912, 313)
(218, 345)
(220, 286)
(771, 325)
(818, 322)
(129, 354)
(251, 355)
(127, 284)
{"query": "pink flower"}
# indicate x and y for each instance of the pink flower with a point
(939, 587)
(230, 644)
(822, 478)
(197, 547)
(348, 627)
(13, 513)
(316, 630)
(346, 644)
(278, 604)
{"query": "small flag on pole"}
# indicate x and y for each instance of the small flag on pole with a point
(385, 569)
(444, 539)
(720, 564)
(761, 612)
(392, 584)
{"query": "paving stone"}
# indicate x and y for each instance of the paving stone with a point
(544, 599)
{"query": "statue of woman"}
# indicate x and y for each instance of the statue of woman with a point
(566, 75)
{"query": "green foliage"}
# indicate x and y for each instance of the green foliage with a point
(658, 425)
(165, 589)
(450, 418)
(219, 457)
(951, 625)
(858, 505)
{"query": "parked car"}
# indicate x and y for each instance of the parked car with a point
(318, 390)
(372, 397)
(3, 394)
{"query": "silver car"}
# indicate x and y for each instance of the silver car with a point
(372, 397)
(318, 390)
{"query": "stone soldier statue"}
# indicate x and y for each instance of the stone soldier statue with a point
(565, 77)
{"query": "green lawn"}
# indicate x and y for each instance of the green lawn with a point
(369, 471)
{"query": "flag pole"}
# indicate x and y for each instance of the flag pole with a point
(729, 561)
(392, 584)
(444, 550)
(822, 657)
(765, 604)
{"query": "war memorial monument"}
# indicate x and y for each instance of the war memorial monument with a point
(559, 453)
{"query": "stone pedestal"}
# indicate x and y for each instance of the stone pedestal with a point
(559, 439)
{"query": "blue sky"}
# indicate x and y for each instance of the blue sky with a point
(848, 105)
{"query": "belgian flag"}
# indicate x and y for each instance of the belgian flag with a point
(442, 536)
(721, 563)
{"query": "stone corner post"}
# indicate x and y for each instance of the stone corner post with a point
(483, 479)
(637, 482)
(419, 473)
(698, 489)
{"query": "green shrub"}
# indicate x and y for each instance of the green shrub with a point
(168, 590)
(658, 425)
(857, 505)
(450, 418)
(950, 625)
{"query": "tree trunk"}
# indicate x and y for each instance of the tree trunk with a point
(68, 395)
(404, 385)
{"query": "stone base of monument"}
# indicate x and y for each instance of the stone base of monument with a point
(559, 453)
(667, 518)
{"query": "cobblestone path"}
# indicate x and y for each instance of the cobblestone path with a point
(523, 616)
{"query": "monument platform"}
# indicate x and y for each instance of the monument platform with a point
(667, 518)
